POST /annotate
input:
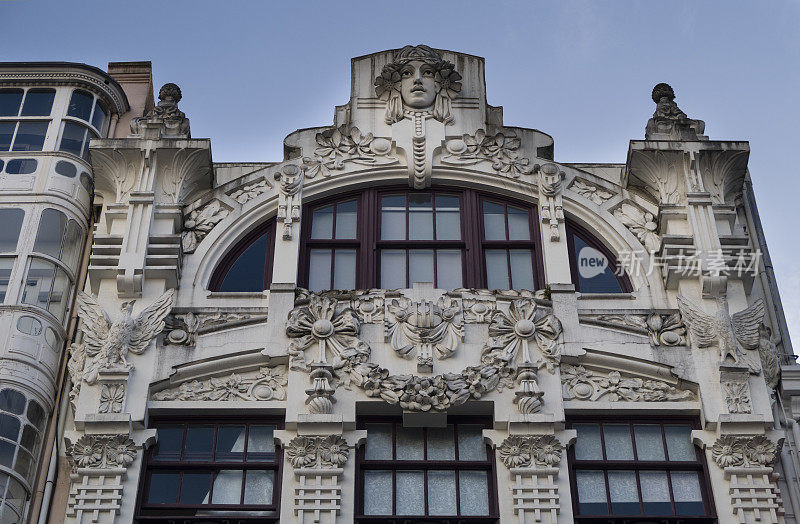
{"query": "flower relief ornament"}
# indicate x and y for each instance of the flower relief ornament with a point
(316, 451)
(525, 451)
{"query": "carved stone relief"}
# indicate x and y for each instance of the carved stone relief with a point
(524, 451)
(338, 146)
(183, 329)
(112, 397)
(551, 185)
(267, 383)
(323, 452)
(501, 150)
(165, 120)
(753, 451)
(251, 191)
(101, 451)
(533, 462)
(580, 383)
(318, 467)
(737, 396)
(663, 329)
(199, 222)
(592, 192)
(640, 223)
(669, 122)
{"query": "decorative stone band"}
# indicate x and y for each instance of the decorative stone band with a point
(267, 383)
(663, 329)
(580, 383)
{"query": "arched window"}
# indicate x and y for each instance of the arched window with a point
(247, 267)
(593, 265)
(392, 238)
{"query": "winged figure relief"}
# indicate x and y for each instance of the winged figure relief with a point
(107, 343)
(737, 335)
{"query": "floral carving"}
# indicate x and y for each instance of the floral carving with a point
(199, 222)
(753, 451)
(478, 310)
(640, 223)
(339, 145)
(433, 329)
(111, 398)
(101, 451)
(583, 384)
(501, 150)
(327, 452)
(523, 451)
(737, 395)
(593, 193)
(666, 330)
(511, 333)
(251, 191)
(268, 383)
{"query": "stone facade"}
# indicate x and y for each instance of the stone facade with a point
(149, 338)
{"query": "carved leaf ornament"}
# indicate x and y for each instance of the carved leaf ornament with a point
(501, 150)
(326, 452)
(583, 384)
(733, 451)
(512, 333)
(267, 384)
(524, 451)
(339, 145)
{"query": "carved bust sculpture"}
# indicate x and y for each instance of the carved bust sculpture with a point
(418, 80)
(165, 120)
(668, 121)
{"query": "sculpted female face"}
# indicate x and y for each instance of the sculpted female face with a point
(417, 85)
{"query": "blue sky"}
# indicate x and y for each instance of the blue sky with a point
(253, 71)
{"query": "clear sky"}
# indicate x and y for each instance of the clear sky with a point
(253, 71)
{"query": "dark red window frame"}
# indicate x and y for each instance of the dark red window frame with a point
(368, 243)
(228, 260)
(574, 229)
(488, 465)
(604, 465)
(184, 513)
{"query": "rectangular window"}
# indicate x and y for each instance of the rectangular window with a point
(213, 465)
(623, 469)
(426, 472)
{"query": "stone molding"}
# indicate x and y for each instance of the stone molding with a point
(266, 383)
(580, 383)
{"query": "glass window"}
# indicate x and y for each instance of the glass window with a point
(633, 469)
(20, 438)
(248, 266)
(10, 101)
(99, 117)
(593, 266)
(38, 102)
(6, 135)
(11, 219)
(21, 166)
(66, 169)
(506, 228)
(425, 472)
(30, 136)
(46, 286)
(80, 105)
(87, 182)
(75, 139)
(206, 466)
(29, 325)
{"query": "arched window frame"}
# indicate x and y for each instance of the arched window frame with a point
(232, 255)
(368, 242)
(587, 236)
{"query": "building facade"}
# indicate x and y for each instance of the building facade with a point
(418, 315)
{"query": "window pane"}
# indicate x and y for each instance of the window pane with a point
(624, 493)
(494, 222)
(410, 493)
(170, 441)
(521, 269)
(30, 136)
(258, 486)
(649, 444)
(38, 102)
(7, 450)
(420, 216)
(470, 442)
(9, 427)
(199, 443)
(322, 222)
(86, 182)
(618, 441)
(50, 233)
(12, 401)
(85, 151)
(518, 224)
(409, 443)
(344, 269)
(195, 488)
(588, 445)
(80, 105)
(57, 301)
(441, 443)
(9, 233)
(99, 117)
(393, 269)
(10, 99)
(393, 217)
(38, 283)
(687, 494)
(496, 269)
(260, 440)
(6, 134)
(29, 325)
(24, 464)
(228, 487)
(420, 264)
(474, 492)
(595, 274)
(448, 269)
(16, 494)
(379, 442)
(72, 138)
(230, 443)
(6, 265)
(247, 273)
(655, 493)
(30, 438)
(163, 488)
(66, 169)
(377, 486)
(21, 166)
(679, 443)
(36, 414)
(346, 219)
(319, 269)
(442, 493)
(591, 492)
(73, 243)
(448, 218)
(53, 340)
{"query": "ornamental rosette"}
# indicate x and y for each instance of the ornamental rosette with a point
(728, 451)
(760, 450)
(547, 450)
(512, 332)
(515, 452)
(121, 451)
(333, 451)
(302, 452)
(86, 452)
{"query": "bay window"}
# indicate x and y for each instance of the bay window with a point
(21, 127)
(85, 120)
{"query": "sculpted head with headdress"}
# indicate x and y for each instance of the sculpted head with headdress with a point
(418, 80)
